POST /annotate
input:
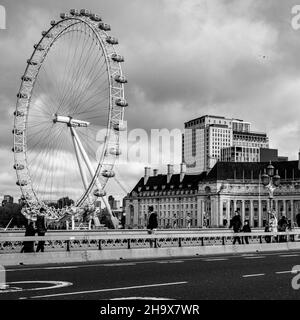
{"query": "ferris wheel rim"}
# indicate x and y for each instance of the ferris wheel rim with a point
(105, 46)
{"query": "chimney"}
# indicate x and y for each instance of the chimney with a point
(155, 172)
(170, 172)
(182, 171)
(147, 175)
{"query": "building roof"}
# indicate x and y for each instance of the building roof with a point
(250, 133)
(252, 170)
(189, 182)
(288, 170)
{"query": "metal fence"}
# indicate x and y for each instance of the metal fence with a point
(134, 240)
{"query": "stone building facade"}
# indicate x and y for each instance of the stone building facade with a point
(212, 198)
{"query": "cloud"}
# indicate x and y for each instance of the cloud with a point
(183, 59)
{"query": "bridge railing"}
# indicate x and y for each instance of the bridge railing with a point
(106, 241)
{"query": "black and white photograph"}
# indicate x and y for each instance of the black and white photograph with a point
(149, 155)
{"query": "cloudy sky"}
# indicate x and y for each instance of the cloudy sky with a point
(184, 59)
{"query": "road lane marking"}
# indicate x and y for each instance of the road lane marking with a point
(289, 271)
(170, 261)
(118, 264)
(253, 275)
(255, 257)
(141, 298)
(248, 254)
(55, 268)
(111, 289)
(52, 285)
(216, 259)
(289, 255)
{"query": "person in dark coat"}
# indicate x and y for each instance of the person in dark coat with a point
(28, 246)
(298, 219)
(282, 226)
(123, 220)
(267, 229)
(236, 224)
(153, 222)
(41, 230)
(246, 228)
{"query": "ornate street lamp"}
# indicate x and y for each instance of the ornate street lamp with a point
(271, 182)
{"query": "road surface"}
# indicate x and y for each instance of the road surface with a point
(239, 276)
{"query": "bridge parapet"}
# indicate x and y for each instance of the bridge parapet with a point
(170, 239)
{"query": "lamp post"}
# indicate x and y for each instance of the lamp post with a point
(271, 182)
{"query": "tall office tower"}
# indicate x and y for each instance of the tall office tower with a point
(205, 137)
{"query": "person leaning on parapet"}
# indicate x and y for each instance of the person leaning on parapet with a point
(41, 229)
(246, 228)
(236, 224)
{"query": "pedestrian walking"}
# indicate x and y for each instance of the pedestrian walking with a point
(152, 222)
(298, 219)
(188, 221)
(246, 228)
(28, 246)
(267, 229)
(236, 224)
(282, 226)
(123, 220)
(41, 230)
(273, 223)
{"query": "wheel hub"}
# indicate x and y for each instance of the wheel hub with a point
(69, 121)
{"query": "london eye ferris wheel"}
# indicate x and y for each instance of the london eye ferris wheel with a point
(72, 89)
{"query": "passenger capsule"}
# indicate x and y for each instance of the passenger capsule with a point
(21, 95)
(22, 183)
(64, 15)
(117, 57)
(19, 113)
(26, 79)
(112, 40)
(99, 193)
(53, 23)
(115, 151)
(17, 132)
(74, 12)
(119, 127)
(104, 26)
(95, 17)
(39, 47)
(46, 34)
(17, 149)
(18, 166)
(121, 103)
(85, 12)
(32, 62)
(120, 79)
(108, 174)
